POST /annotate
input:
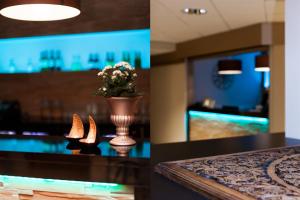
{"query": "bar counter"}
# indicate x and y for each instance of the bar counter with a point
(223, 123)
(47, 157)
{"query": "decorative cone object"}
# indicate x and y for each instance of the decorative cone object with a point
(91, 139)
(77, 131)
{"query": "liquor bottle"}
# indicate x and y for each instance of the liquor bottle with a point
(29, 66)
(58, 61)
(12, 66)
(90, 61)
(97, 61)
(43, 60)
(137, 60)
(51, 61)
(110, 58)
(126, 56)
(76, 63)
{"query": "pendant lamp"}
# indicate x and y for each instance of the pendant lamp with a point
(40, 10)
(229, 67)
(262, 63)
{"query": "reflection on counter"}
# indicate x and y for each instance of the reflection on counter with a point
(209, 125)
(39, 188)
(58, 145)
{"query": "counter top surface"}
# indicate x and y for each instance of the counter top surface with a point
(163, 188)
(48, 157)
(198, 107)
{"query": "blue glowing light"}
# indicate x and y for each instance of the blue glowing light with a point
(63, 186)
(228, 117)
(23, 55)
(141, 150)
(266, 79)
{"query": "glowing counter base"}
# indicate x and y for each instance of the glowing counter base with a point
(38, 188)
(208, 125)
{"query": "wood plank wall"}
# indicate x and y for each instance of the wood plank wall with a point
(73, 90)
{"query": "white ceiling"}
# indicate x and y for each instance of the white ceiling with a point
(169, 24)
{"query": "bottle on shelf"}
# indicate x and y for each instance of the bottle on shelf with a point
(76, 63)
(12, 66)
(51, 61)
(110, 58)
(29, 66)
(58, 61)
(43, 61)
(90, 61)
(126, 57)
(138, 60)
(97, 61)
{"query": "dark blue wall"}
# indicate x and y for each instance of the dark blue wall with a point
(245, 91)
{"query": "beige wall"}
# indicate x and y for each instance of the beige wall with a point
(277, 89)
(168, 103)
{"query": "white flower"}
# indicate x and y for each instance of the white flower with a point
(100, 73)
(107, 67)
(124, 64)
(134, 75)
(126, 73)
(113, 77)
(104, 89)
(117, 72)
(127, 66)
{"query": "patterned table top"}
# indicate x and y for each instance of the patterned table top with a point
(265, 175)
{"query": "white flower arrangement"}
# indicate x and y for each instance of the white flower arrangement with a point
(118, 81)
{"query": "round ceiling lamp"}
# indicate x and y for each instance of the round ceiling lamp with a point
(40, 10)
(229, 67)
(262, 63)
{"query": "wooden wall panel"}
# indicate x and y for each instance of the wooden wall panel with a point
(74, 90)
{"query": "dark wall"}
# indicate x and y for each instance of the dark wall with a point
(96, 16)
(244, 90)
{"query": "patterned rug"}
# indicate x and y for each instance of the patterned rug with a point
(272, 174)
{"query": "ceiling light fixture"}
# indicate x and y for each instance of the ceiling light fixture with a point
(194, 11)
(262, 63)
(229, 67)
(40, 10)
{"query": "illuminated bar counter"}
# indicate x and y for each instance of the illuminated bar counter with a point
(37, 167)
(206, 124)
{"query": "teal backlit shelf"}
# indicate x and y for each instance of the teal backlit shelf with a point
(23, 55)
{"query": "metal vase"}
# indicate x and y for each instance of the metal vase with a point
(123, 111)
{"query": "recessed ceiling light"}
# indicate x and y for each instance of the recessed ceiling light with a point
(195, 11)
(40, 10)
